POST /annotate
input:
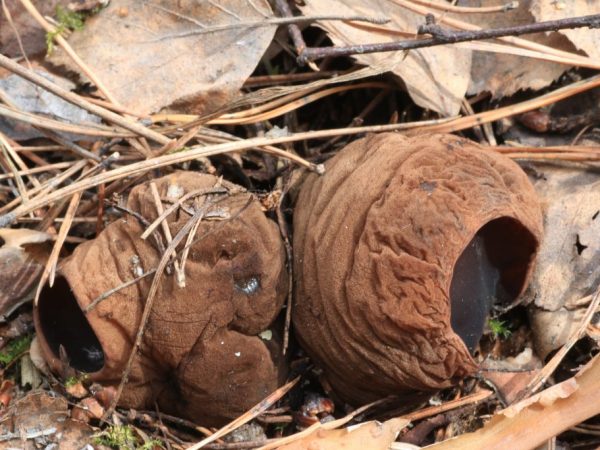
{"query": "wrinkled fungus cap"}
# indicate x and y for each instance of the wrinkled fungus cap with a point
(400, 251)
(201, 356)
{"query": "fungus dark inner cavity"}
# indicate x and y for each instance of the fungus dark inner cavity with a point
(491, 270)
(63, 323)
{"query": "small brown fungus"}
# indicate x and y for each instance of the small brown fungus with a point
(400, 250)
(201, 356)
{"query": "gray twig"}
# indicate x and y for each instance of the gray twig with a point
(442, 36)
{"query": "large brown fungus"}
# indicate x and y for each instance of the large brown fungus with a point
(201, 356)
(400, 251)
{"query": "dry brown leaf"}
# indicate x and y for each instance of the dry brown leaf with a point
(39, 420)
(585, 39)
(503, 74)
(145, 54)
(568, 264)
(436, 77)
(369, 435)
(31, 33)
(558, 408)
(511, 375)
(19, 268)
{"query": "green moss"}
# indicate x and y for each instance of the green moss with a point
(71, 381)
(67, 20)
(122, 437)
(15, 348)
(499, 328)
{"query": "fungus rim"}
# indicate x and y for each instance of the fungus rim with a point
(526, 274)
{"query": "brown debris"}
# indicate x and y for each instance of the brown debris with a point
(201, 355)
(377, 244)
(22, 258)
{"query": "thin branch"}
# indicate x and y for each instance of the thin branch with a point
(519, 42)
(284, 10)
(441, 36)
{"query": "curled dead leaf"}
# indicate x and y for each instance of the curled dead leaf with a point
(586, 39)
(568, 265)
(501, 73)
(436, 77)
(21, 264)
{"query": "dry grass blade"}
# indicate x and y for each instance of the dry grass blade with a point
(549, 156)
(75, 99)
(448, 406)
(13, 169)
(270, 94)
(193, 153)
(463, 123)
(48, 185)
(247, 416)
(269, 110)
(466, 9)
(50, 267)
(78, 150)
(271, 22)
(180, 201)
(167, 232)
(41, 169)
(4, 141)
(56, 125)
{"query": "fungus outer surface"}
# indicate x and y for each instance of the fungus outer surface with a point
(399, 252)
(187, 361)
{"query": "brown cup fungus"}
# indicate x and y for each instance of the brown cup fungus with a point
(399, 252)
(201, 356)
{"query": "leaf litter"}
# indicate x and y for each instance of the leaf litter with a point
(161, 62)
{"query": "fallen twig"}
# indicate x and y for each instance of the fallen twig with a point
(441, 36)
(247, 416)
